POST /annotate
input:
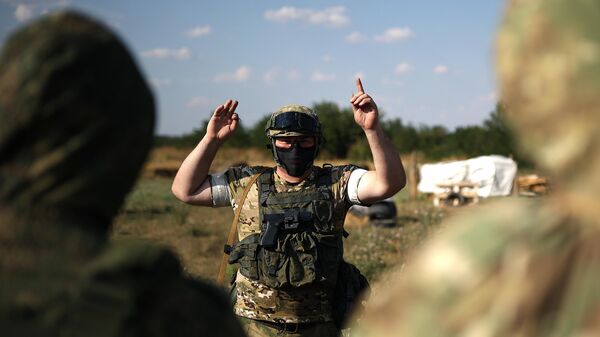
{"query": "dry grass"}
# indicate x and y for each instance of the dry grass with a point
(197, 234)
(168, 159)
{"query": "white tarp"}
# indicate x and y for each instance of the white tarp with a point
(494, 174)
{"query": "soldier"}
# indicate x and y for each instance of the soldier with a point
(76, 124)
(291, 222)
(523, 267)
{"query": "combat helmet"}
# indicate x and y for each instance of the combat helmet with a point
(293, 120)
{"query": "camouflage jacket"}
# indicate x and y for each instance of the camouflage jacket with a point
(255, 300)
(517, 268)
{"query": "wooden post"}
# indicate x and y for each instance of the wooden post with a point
(413, 176)
(515, 186)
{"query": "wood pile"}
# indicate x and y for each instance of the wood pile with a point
(532, 185)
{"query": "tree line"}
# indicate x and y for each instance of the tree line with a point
(344, 139)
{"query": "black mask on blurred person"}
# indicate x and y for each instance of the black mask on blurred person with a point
(296, 160)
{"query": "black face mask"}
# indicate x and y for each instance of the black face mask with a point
(296, 160)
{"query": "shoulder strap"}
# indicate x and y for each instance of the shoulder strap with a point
(265, 186)
(233, 230)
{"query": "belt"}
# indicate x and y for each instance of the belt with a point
(289, 327)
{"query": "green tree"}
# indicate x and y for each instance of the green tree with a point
(256, 134)
(404, 137)
(469, 141)
(433, 141)
(339, 128)
(500, 137)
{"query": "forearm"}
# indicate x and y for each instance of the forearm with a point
(194, 169)
(388, 176)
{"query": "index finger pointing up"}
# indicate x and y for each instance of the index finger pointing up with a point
(359, 86)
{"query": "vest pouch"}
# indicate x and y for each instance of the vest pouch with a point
(245, 253)
(351, 289)
(292, 262)
(330, 254)
(323, 213)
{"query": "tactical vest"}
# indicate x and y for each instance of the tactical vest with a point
(298, 243)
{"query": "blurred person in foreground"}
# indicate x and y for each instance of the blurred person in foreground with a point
(521, 267)
(291, 222)
(76, 124)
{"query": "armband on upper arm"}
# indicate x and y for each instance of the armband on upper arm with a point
(352, 188)
(220, 190)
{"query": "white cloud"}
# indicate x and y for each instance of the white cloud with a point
(332, 16)
(327, 58)
(394, 35)
(318, 76)
(23, 12)
(402, 68)
(440, 69)
(199, 31)
(491, 97)
(355, 37)
(198, 102)
(240, 75)
(293, 75)
(165, 53)
(271, 75)
(161, 82)
(276, 73)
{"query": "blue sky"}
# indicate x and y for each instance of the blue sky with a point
(426, 62)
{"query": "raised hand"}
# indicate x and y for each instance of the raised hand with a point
(365, 109)
(223, 122)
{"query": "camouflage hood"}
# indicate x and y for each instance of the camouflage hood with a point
(549, 71)
(76, 120)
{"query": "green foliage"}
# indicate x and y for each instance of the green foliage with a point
(339, 129)
(345, 139)
(256, 135)
(404, 137)
(433, 141)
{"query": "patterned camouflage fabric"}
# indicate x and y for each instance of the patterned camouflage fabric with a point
(254, 299)
(521, 267)
(289, 108)
(256, 329)
(76, 123)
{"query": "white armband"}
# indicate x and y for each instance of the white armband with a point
(220, 190)
(352, 188)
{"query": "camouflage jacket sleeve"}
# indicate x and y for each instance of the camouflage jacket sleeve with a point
(502, 272)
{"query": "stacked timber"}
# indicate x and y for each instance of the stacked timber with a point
(533, 185)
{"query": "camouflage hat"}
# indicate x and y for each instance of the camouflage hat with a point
(299, 126)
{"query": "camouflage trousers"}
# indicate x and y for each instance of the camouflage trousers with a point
(255, 328)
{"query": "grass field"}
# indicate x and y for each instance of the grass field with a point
(197, 234)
